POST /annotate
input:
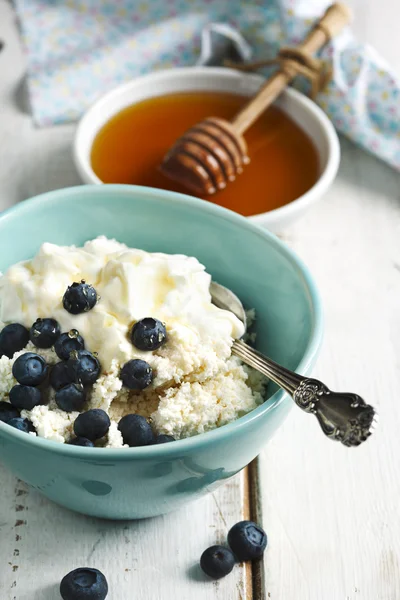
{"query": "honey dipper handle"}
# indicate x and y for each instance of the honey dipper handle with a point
(335, 18)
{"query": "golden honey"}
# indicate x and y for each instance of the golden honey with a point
(131, 146)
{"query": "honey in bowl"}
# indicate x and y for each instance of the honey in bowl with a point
(131, 146)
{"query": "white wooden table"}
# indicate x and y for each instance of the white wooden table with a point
(332, 514)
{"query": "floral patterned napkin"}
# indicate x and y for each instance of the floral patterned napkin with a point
(79, 49)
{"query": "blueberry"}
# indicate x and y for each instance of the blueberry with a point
(79, 297)
(247, 540)
(13, 338)
(136, 374)
(59, 376)
(148, 334)
(22, 424)
(83, 367)
(71, 397)
(67, 342)
(7, 412)
(25, 396)
(84, 584)
(136, 431)
(44, 333)
(30, 369)
(92, 424)
(81, 441)
(163, 439)
(217, 561)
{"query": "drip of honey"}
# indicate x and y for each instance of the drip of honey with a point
(131, 146)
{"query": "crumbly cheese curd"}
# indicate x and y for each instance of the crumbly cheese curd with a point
(197, 384)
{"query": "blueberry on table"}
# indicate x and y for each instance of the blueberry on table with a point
(25, 396)
(71, 397)
(21, 424)
(84, 584)
(136, 374)
(7, 412)
(83, 367)
(163, 438)
(148, 334)
(81, 441)
(92, 424)
(247, 540)
(44, 333)
(136, 431)
(67, 343)
(79, 297)
(59, 376)
(30, 369)
(13, 338)
(217, 561)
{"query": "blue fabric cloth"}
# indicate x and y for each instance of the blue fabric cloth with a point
(79, 49)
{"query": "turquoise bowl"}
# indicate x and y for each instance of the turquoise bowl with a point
(134, 483)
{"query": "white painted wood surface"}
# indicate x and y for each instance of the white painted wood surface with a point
(154, 559)
(332, 514)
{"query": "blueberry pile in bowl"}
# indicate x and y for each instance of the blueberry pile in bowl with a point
(94, 369)
(77, 370)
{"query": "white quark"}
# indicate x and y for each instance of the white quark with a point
(52, 423)
(194, 408)
(197, 385)
(132, 284)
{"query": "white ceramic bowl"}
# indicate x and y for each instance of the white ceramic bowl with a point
(302, 110)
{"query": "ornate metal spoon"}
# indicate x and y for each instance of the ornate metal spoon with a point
(344, 417)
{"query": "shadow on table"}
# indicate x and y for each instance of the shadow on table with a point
(363, 170)
(51, 166)
(46, 162)
(195, 573)
(50, 592)
(21, 96)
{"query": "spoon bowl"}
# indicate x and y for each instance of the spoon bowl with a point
(227, 300)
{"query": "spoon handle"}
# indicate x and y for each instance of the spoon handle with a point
(344, 417)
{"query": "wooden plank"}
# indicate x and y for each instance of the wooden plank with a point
(153, 559)
(332, 512)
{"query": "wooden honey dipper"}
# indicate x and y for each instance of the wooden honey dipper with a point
(214, 151)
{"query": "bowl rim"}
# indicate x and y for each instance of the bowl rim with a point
(202, 439)
(270, 217)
